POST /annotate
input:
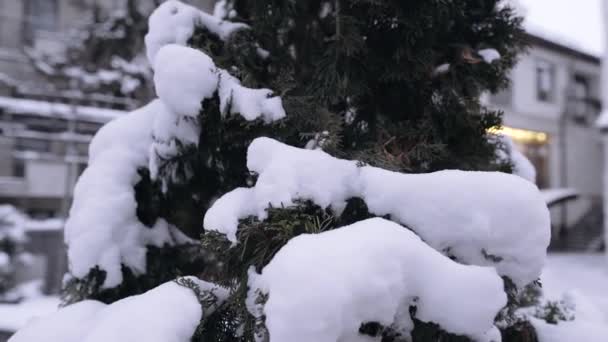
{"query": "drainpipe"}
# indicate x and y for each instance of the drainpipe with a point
(563, 146)
(604, 86)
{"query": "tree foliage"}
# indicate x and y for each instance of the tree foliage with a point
(358, 79)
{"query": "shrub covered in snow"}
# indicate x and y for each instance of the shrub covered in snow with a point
(12, 238)
(303, 166)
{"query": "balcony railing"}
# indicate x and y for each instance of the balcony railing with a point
(583, 111)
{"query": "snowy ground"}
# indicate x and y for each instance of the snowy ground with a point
(15, 316)
(586, 274)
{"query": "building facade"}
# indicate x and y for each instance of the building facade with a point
(549, 111)
(44, 135)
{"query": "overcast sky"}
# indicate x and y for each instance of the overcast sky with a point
(576, 23)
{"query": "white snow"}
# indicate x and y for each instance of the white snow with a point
(585, 274)
(372, 271)
(442, 69)
(58, 110)
(468, 215)
(102, 228)
(249, 103)
(169, 129)
(555, 195)
(52, 224)
(183, 78)
(602, 120)
(174, 22)
(12, 223)
(15, 316)
(489, 55)
(580, 279)
(570, 331)
(169, 312)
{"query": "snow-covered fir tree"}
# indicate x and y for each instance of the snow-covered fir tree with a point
(12, 240)
(287, 185)
(102, 61)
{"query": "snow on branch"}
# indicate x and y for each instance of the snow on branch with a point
(373, 271)
(467, 215)
(174, 22)
(251, 104)
(184, 78)
(169, 312)
(103, 229)
(489, 55)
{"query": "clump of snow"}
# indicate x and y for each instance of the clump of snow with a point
(169, 131)
(373, 271)
(174, 22)
(169, 312)
(183, 77)
(602, 120)
(467, 215)
(12, 223)
(489, 55)
(249, 103)
(12, 239)
(102, 228)
(441, 69)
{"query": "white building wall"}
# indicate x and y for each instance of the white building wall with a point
(583, 144)
(46, 178)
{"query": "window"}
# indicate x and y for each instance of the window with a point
(36, 145)
(40, 15)
(18, 168)
(580, 89)
(545, 81)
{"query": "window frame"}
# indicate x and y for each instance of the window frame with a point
(547, 68)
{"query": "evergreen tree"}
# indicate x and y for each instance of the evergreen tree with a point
(391, 84)
(12, 240)
(102, 61)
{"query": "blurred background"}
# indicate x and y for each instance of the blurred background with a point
(69, 66)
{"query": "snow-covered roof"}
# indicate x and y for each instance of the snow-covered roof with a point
(53, 224)
(574, 24)
(556, 195)
(58, 110)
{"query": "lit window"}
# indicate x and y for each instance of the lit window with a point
(533, 145)
(545, 81)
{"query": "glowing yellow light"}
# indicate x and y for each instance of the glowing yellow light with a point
(521, 135)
